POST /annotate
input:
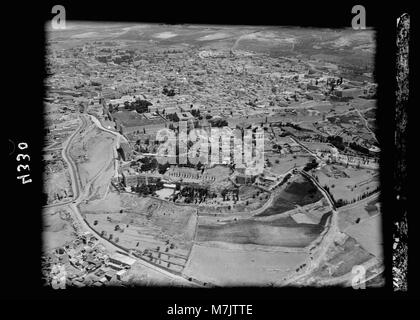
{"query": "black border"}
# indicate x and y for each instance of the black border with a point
(24, 92)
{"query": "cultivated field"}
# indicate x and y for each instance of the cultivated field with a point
(232, 267)
(280, 232)
(143, 223)
(295, 193)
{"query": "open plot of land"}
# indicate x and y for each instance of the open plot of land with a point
(145, 223)
(362, 104)
(109, 204)
(280, 164)
(250, 192)
(347, 118)
(93, 152)
(369, 234)
(133, 120)
(316, 212)
(281, 232)
(298, 192)
(279, 205)
(301, 191)
(100, 184)
(347, 183)
(138, 275)
(351, 254)
(223, 266)
(219, 172)
(58, 229)
(359, 211)
(320, 146)
(340, 259)
(58, 183)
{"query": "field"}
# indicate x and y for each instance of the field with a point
(298, 192)
(250, 192)
(369, 234)
(94, 153)
(139, 275)
(231, 267)
(109, 204)
(351, 254)
(347, 183)
(57, 183)
(134, 119)
(362, 104)
(57, 228)
(314, 146)
(143, 223)
(280, 164)
(347, 118)
(273, 233)
(341, 257)
(359, 211)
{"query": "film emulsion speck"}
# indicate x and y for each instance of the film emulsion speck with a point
(192, 155)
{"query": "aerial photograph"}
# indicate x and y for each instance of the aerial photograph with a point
(210, 156)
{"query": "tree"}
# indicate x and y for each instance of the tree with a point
(163, 167)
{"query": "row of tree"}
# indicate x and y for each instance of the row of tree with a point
(342, 202)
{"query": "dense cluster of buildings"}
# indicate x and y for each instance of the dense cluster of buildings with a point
(138, 92)
(85, 262)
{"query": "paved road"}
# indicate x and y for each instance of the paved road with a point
(328, 237)
(326, 240)
(79, 197)
(307, 150)
(366, 124)
(65, 156)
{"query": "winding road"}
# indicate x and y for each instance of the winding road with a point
(80, 194)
